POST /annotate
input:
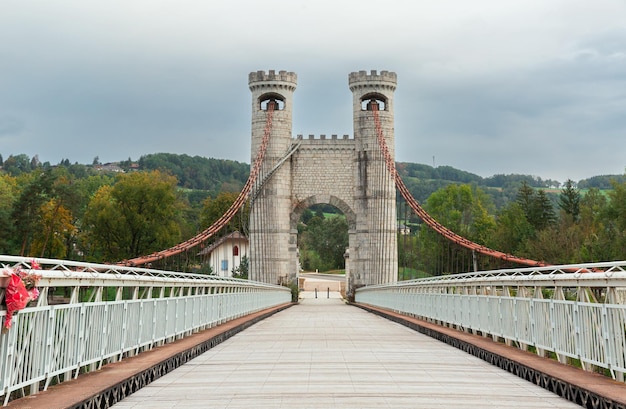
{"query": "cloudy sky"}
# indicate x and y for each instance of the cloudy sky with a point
(488, 86)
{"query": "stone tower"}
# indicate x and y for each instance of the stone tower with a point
(269, 214)
(374, 258)
(348, 173)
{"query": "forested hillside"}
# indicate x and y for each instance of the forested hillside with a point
(212, 176)
(108, 212)
(601, 182)
(196, 172)
(424, 180)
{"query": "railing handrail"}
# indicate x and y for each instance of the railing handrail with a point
(56, 272)
(576, 311)
(126, 310)
(588, 275)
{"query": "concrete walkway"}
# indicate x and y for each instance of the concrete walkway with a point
(325, 354)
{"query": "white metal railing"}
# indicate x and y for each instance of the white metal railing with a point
(109, 312)
(574, 311)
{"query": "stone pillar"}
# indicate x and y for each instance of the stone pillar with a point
(373, 259)
(271, 260)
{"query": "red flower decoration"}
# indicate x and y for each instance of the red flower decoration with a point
(16, 297)
(20, 291)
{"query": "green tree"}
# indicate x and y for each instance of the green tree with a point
(559, 243)
(596, 241)
(26, 211)
(214, 175)
(512, 230)
(525, 199)
(323, 242)
(103, 229)
(136, 216)
(464, 210)
(16, 165)
(242, 269)
(614, 219)
(34, 162)
(214, 208)
(569, 200)
(8, 191)
(543, 211)
(409, 260)
(306, 217)
(536, 206)
(55, 228)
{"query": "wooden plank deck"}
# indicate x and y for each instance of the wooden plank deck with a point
(322, 354)
(325, 354)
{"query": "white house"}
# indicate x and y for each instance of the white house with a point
(403, 229)
(225, 254)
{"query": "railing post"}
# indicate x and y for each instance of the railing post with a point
(49, 342)
(8, 368)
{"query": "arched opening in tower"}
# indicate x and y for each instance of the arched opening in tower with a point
(322, 249)
(373, 99)
(322, 238)
(272, 99)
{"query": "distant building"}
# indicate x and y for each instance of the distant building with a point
(225, 254)
(403, 229)
(109, 167)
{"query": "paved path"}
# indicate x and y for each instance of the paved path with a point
(325, 354)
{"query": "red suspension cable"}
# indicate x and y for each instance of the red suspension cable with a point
(226, 217)
(432, 223)
(254, 173)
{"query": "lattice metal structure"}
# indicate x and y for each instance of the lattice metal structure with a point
(577, 312)
(90, 314)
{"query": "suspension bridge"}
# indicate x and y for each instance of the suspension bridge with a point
(541, 321)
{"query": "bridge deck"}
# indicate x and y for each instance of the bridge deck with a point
(322, 354)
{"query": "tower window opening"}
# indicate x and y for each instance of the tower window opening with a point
(366, 105)
(368, 101)
(276, 100)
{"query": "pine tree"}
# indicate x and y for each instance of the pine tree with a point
(543, 213)
(536, 206)
(525, 198)
(569, 200)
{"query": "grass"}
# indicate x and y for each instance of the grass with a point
(406, 273)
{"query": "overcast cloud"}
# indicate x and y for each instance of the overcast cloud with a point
(518, 86)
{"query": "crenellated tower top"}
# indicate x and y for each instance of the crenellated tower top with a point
(386, 80)
(283, 79)
(349, 173)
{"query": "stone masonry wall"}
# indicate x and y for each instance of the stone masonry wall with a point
(348, 173)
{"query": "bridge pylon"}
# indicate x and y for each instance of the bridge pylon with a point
(348, 173)
(271, 252)
(374, 256)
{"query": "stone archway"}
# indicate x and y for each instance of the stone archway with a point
(301, 206)
(299, 209)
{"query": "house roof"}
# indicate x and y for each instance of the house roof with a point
(234, 236)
